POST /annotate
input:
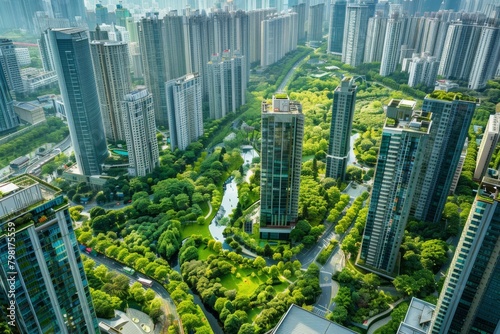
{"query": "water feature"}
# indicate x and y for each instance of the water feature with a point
(230, 198)
(120, 152)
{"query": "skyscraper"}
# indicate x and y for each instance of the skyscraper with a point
(423, 70)
(174, 45)
(255, 18)
(459, 50)
(8, 118)
(300, 9)
(226, 83)
(71, 50)
(112, 71)
(281, 163)
(374, 46)
(140, 132)
(488, 53)
(51, 290)
(279, 36)
(404, 137)
(10, 65)
(392, 44)
(315, 23)
(355, 30)
(151, 36)
(468, 302)
(344, 101)
(336, 27)
(488, 146)
(452, 114)
(184, 100)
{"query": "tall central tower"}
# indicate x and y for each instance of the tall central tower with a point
(399, 162)
(71, 51)
(281, 163)
(344, 101)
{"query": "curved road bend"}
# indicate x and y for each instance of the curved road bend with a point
(159, 290)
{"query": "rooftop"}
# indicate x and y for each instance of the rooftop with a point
(489, 190)
(420, 121)
(299, 321)
(418, 317)
(451, 96)
(26, 105)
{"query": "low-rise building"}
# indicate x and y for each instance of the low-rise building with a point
(29, 112)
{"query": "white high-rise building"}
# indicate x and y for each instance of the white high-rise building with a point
(392, 43)
(140, 132)
(375, 37)
(488, 146)
(184, 100)
(112, 73)
(487, 54)
(255, 18)
(226, 83)
(279, 36)
(355, 30)
(423, 70)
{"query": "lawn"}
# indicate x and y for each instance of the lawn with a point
(189, 230)
(204, 252)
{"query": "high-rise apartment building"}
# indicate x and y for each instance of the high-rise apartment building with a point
(46, 52)
(226, 83)
(112, 71)
(8, 118)
(374, 46)
(488, 146)
(404, 138)
(336, 27)
(131, 27)
(344, 102)
(151, 41)
(47, 277)
(300, 9)
(459, 49)
(174, 45)
(10, 66)
(487, 54)
(355, 30)
(315, 23)
(184, 101)
(423, 70)
(121, 14)
(196, 29)
(451, 117)
(71, 51)
(392, 43)
(281, 163)
(255, 18)
(140, 132)
(468, 302)
(279, 36)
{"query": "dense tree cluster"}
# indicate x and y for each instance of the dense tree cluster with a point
(52, 131)
(358, 298)
(111, 291)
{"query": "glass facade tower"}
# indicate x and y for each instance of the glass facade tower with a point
(71, 51)
(51, 290)
(471, 292)
(281, 162)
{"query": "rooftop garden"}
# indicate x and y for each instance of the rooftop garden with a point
(451, 96)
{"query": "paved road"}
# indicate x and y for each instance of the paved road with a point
(290, 73)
